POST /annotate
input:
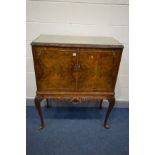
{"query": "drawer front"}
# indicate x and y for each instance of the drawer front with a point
(54, 68)
(98, 70)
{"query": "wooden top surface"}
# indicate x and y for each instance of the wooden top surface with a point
(76, 41)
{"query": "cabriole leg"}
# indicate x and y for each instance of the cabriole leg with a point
(111, 105)
(47, 101)
(101, 104)
(37, 101)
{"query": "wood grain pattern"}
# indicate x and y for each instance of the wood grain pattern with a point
(96, 70)
(76, 74)
(54, 68)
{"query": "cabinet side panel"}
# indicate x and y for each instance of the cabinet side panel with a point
(117, 59)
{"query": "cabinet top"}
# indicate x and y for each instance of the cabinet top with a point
(76, 41)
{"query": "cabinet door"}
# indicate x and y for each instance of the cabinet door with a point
(96, 70)
(54, 68)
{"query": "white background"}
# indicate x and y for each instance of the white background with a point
(79, 17)
(13, 77)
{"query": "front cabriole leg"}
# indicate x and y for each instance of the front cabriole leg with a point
(111, 105)
(37, 101)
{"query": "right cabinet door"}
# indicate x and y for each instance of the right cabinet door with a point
(98, 70)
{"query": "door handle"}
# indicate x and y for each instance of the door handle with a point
(76, 67)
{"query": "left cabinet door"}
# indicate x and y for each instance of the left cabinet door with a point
(54, 68)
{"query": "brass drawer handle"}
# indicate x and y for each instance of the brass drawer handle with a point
(75, 100)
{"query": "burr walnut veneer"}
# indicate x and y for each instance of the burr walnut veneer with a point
(76, 68)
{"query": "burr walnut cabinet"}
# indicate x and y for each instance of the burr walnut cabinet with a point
(76, 68)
